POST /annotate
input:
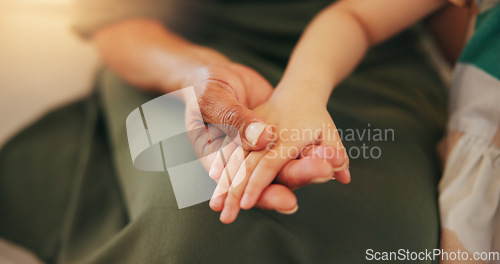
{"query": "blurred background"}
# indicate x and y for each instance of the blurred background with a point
(43, 63)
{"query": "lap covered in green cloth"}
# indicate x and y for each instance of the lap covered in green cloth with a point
(70, 193)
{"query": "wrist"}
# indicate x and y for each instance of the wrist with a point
(309, 92)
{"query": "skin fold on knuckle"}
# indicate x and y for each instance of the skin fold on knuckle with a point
(232, 198)
(219, 106)
(214, 82)
(233, 115)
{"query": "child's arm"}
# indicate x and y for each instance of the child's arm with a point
(328, 51)
(339, 36)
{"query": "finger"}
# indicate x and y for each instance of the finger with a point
(315, 165)
(265, 172)
(206, 140)
(343, 176)
(227, 176)
(335, 154)
(332, 155)
(231, 203)
(218, 197)
(221, 158)
(278, 197)
(304, 171)
(233, 197)
(218, 105)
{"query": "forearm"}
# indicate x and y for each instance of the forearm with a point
(147, 55)
(329, 49)
(337, 39)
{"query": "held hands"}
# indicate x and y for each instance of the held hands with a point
(225, 94)
(146, 54)
(303, 132)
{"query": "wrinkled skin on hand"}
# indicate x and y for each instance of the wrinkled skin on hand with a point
(226, 95)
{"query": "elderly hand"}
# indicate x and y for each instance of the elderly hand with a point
(149, 56)
(226, 93)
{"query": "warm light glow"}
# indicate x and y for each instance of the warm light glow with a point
(37, 2)
(42, 1)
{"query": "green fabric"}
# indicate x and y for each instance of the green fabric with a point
(70, 193)
(61, 198)
(58, 192)
(483, 49)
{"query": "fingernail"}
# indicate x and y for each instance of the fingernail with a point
(254, 131)
(289, 212)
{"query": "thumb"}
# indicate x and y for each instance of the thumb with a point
(221, 108)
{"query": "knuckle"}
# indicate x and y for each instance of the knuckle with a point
(232, 115)
(218, 104)
(211, 86)
(214, 176)
(237, 159)
(250, 165)
(267, 163)
(213, 79)
(223, 185)
(232, 197)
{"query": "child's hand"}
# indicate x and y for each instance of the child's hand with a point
(299, 124)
